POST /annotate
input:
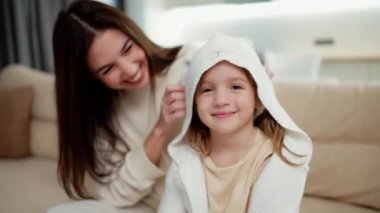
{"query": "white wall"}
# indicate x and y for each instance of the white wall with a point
(285, 26)
(367, 70)
(355, 30)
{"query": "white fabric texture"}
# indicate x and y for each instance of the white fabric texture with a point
(280, 186)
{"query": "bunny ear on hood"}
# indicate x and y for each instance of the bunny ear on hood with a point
(240, 52)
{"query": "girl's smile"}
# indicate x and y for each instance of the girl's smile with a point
(225, 99)
(223, 114)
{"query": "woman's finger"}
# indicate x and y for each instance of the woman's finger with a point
(175, 96)
(176, 106)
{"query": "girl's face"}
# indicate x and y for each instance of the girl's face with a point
(225, 99)
(117, 61)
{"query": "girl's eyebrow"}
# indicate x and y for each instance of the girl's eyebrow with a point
(229, 80)
(108, 65)
(239, 79)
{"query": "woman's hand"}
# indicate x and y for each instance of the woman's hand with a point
(173, 110)
(172, 113)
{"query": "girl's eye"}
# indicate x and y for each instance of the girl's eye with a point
(236, 87)
(206, 90)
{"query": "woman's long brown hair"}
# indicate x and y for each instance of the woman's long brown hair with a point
(86, 107)
(199, 134)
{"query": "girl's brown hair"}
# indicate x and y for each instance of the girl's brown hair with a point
(86, 107)
(199, 134)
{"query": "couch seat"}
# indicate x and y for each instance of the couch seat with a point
(31, 180)
(318, 205)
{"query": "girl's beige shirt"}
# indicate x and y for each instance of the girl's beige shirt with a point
(229, 187)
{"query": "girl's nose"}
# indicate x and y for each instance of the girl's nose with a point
(221, 98)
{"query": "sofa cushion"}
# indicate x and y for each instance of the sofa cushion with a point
(347, 172)
(342, 120)
(43, 83)
(43, 133)
(29, 183)
(320, 107)
(44, 138)
(317, 205)
(15, 107)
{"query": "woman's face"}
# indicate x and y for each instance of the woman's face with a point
(116, 60)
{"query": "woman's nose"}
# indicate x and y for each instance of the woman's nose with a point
(127, 67)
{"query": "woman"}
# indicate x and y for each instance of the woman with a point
(116, 109)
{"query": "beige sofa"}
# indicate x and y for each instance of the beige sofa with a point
(342, 119)
(29, 184)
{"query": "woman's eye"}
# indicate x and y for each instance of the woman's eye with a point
(106, 70)
(128, 47)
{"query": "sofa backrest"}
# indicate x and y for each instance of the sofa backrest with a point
(343, 120)
(43, 127)
(340, 117)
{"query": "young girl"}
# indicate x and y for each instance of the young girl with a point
(238, 150)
